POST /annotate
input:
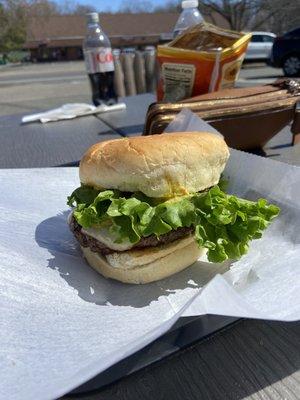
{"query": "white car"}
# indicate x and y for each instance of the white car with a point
(260, 46)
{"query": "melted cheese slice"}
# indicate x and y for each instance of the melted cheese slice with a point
(106, 237)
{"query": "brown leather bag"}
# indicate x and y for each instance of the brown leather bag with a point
(247, 117)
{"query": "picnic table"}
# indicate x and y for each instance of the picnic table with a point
(250, 359)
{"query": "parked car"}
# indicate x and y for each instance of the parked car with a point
(286, 53)
(260, 46)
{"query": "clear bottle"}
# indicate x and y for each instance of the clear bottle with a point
(189, 16)
(99, 62)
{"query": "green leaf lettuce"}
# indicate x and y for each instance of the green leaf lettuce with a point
(224, 224)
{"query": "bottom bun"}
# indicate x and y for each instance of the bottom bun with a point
(175, 261)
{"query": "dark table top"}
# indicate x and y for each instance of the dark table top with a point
(129, 122)
(251, 360)
(47, 145)
(63, 143)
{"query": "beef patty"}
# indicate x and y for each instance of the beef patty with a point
(150, 241)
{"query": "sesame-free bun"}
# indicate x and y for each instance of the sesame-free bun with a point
(163, 165)
(141, 266)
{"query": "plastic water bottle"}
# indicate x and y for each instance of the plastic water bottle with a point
(190, 16)
(99, 62)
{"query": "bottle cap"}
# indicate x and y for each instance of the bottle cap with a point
(92, 17)
(189, 3)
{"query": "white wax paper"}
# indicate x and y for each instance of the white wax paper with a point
(268, 277)
(62, 323)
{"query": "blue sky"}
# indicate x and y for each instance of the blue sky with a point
(109, 5)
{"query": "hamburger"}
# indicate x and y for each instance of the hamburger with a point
(149, 206)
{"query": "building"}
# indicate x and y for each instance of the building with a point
(60, 37)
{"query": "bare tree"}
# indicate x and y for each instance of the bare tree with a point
(12, 25)
(82, 9)
(237, 13)
(136, 6)
(39, 8)
(70, 7)
(255, 14)
(169, 6)
(14, 15)
(285, 17)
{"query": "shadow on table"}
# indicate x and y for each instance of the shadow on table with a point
(66, 258)
(273, 155)
(131, 130)
(280, 146)
(272, 76)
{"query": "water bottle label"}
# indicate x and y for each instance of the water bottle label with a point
(99, 59)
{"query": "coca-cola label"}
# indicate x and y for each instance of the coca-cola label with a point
(99, 59)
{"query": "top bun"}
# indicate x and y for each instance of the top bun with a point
(166, 165)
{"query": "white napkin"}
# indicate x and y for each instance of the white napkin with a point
(71, 110)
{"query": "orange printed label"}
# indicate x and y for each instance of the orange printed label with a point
(186, 73)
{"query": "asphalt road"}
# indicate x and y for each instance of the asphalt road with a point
(33, 87)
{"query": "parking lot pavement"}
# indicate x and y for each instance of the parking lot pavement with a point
(28, 98)
(33, 87)
(258, 74)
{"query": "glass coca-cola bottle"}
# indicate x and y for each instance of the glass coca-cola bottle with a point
(99, 62)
